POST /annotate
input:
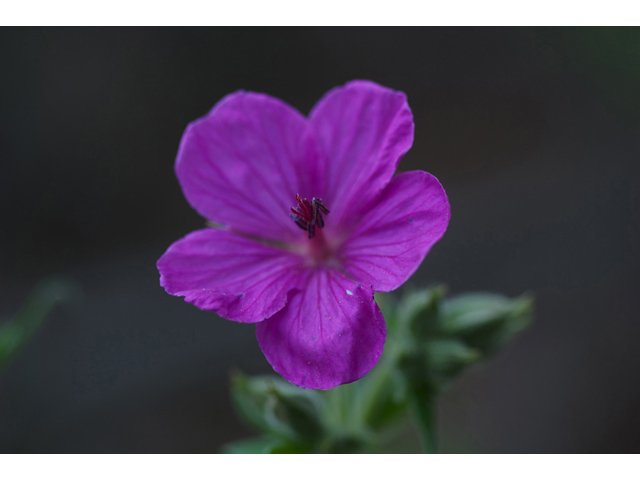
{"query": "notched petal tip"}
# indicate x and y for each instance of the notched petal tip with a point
(359, 85)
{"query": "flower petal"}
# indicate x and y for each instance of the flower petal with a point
(391, 241)
(238, 278)
(243, 163)
(363, 130)
(331, 332)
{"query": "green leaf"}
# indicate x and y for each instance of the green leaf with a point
(276, 407)
(469, 312)
(301, 411)
(15, 333)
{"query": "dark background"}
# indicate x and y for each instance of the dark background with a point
(533, 133)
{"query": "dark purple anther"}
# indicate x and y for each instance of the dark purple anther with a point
(307, 214)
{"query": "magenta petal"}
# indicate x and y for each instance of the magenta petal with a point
(243, 163)
(238, 278)
(331, 332)
(391, 241)
(363, 130)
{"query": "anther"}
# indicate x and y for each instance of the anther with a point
(307, 214)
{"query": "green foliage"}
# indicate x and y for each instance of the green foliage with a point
(441, 337)
(264, 445)
(486, 321)
(419, 312)
(430, 341)
(15, 333)
(278, 408)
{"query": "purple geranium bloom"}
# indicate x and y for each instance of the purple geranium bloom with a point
(310, 221)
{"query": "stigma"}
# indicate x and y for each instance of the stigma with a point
(308, 214)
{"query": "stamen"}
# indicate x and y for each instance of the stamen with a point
(307, 214)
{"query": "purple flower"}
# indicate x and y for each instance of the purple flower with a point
(311, 222)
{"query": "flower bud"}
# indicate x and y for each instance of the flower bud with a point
(486, 321)
(419, 312)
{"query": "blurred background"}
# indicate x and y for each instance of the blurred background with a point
(534, 134)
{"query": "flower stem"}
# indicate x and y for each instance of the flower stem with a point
(426, 419)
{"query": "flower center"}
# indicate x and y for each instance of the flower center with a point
(308, 214)
(319, 250)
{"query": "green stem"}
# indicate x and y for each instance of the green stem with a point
(426, 419)
(15, 333)
(373, 386)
